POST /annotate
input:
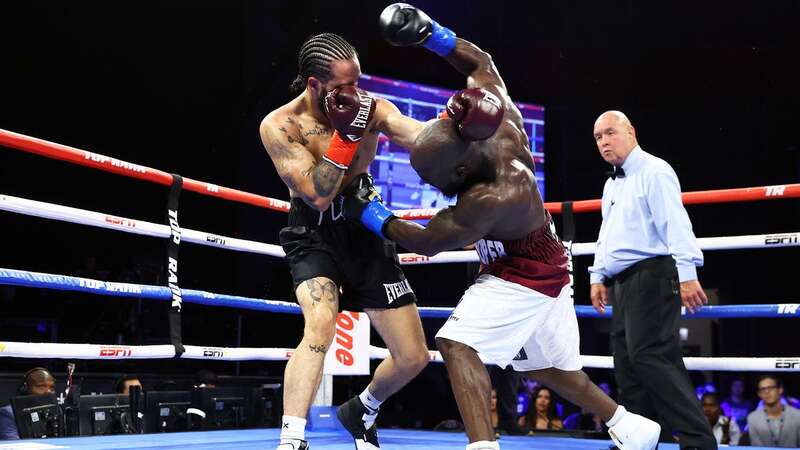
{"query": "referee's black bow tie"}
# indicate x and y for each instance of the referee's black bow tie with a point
(616, 172)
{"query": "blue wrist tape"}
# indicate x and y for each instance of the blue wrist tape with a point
(374, 216)
(442, 40)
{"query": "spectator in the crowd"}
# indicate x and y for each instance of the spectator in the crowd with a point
(776, 424)
(737, 405)
(541, 414)
(37, 381)
(125, 382)
(205, 379)
(725, 429)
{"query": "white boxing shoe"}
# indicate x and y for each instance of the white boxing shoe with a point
(293, 444)
(635, 432)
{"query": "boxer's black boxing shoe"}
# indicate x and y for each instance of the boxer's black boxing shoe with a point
(351, 415)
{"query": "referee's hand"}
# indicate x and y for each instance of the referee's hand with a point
(599, 296)
(692, 296)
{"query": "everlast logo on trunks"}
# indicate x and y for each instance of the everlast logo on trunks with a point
(397, 290)
(489, 251)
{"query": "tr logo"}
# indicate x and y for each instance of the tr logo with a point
(773, 191)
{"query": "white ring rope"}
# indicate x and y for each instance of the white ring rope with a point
(122, 352)
(96, 219)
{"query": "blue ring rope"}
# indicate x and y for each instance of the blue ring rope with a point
(68, 283)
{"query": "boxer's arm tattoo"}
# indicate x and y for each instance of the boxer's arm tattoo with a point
(321, 291)
(283, 156)
(317, 348)
(326, 178)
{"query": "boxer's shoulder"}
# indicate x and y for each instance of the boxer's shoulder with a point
(287, 126)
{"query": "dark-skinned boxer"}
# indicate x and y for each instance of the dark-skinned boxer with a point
(519, 311)
(321, 144)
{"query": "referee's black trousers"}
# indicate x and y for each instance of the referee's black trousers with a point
(648, 362)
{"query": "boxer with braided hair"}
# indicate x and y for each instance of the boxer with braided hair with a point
(322, 143)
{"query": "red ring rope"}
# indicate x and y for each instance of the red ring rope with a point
(113, 165)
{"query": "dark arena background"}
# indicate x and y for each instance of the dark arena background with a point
(181, 86)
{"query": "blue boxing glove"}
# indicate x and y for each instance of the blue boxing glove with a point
(403, 25)
(365, 205)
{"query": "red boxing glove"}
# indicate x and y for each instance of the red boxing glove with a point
(477, 112)
(349, 109)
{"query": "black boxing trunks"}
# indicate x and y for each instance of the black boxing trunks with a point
(325, 244)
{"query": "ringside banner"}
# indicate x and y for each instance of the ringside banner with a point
(349, 352)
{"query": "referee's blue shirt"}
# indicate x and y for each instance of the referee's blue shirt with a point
(643, 217)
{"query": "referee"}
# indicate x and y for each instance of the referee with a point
(645, 262)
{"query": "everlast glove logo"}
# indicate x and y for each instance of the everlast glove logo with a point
(397, 290)
(788, 363)
(491, 98)
(361, 118)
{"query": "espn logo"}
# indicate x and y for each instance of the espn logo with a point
(787, 363)
(213, 353)
(411, 258)
(115, 351)
(788, 308)
(782, 239)
(114, 220)
(214, 239)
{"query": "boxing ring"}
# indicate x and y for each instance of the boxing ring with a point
(329, 439)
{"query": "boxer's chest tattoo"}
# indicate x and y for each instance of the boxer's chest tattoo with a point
(299, 133)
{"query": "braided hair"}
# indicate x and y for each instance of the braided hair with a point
(315, 58)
